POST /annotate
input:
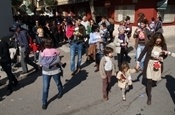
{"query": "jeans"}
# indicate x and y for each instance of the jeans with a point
(26, 60)
(75, 48)
(138, 52)
(46, 84)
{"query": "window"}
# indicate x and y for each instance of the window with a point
(125, 10)
(167, 15)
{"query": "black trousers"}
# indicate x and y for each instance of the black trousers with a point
(121, 57)
(149, 84)
(11, 77)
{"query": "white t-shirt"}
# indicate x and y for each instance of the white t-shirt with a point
(108, 64)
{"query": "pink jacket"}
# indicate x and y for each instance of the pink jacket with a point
(50, 52)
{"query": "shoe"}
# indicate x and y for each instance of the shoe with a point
(44, 107)
(124, 98)
(23, 73)
(149, 102)
(106, 98)
(9, 92)
(60, 95)
(96, 70)
(95, 65)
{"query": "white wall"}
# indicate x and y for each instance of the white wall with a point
(6, 19)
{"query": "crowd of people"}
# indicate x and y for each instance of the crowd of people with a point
(89, 37)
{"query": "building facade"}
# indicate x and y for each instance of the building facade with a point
(119, 9)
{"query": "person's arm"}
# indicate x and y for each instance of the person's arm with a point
(133, 70)
(165, 49)
(102, 70)
(172, 54)
(169, 53)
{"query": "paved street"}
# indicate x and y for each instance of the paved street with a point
(83, 93)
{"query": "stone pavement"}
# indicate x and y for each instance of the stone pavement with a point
(83, 93)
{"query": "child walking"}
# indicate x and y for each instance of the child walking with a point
(124, 78)
(50, 61)
(35, 50)
(107, 69)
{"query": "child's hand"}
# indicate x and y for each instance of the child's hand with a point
(64, 65)
(160, 59)
(122, 80)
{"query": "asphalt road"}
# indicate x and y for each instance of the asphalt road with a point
(83, 93)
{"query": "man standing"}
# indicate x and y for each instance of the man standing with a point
(22, 37)
(5, 62)
(76, 46)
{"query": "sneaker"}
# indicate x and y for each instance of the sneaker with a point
(44, 107)
(124, 98)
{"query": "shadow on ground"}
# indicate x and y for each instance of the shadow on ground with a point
(170, 82)
(24, 80)
(72, 83)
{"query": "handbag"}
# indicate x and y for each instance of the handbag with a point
(156, 65)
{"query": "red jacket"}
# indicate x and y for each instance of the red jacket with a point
(34, 47)
(69, 31)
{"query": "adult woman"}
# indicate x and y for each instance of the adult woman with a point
(94, 36)
(49, 60)
(121, 44)
(153, 64)
(141, 36)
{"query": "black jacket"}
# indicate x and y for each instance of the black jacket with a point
(4, 52)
